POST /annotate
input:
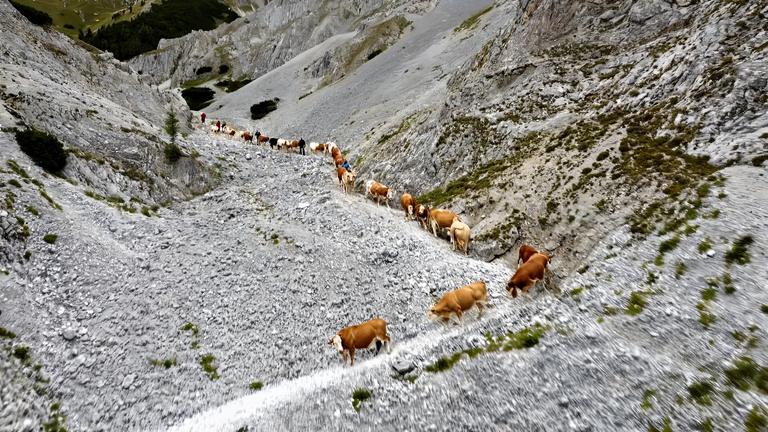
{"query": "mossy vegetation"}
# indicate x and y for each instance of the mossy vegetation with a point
(757, 420)
(256, 385)
(50, 238)
(647, 396)
(636, 303)
(666, 426)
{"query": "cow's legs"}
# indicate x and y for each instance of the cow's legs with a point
(352, 355)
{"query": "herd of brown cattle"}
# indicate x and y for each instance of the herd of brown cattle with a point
(532, 264)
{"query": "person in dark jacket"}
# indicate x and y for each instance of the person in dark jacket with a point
(202, 118)
(302, 144)
(218, 125)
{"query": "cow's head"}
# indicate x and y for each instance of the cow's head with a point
(336, 342)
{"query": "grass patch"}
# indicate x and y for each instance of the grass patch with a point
(359, 396)
(22, 353)
(472, 21)
(757, 420)
(680, 269)
(739, 252)
(191, 328)
(646, 403)
(764, 308)
(708, 294)
(636, 303)
(256, 385)
(525, 338)
(705, 245)
(209, 367)
(747, 373)
(166, 363)
(665, 427)
(50, 238)
(7, 334)
(700, 392)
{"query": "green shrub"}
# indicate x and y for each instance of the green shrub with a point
(22, 353)
(166, 363)
(45, 150)
(700, 392)
(7, 334)
(172, 153)
(757, 420)
(171, 125)
(256, 385)
(739, 253)
(34, 16)
(50, 238)
(636, 303)
(746, 373)
(261, 109)
(198, 98)
(680, 269)
(359, 396)
(207, 362)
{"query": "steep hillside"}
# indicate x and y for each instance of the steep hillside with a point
(261, 41)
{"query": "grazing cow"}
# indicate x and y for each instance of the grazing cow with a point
(408, 203)
(263, 139)
(348, 181)
(460, 300)
(422, 214)
(214, 128)
(335, 153)
(228, 130)
(247, 136)
(378, 191)
(529, 273)
(460, 234)
(329, 146)
(439, 218)
(362, 336)
(281, 143)
(525, 253)
(273, 142)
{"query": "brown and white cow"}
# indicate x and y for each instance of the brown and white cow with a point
(292, 145)
(348, 181)
(443, 219)
(422, 214)
(460, 300)
(529, 273)
(247, 136)
(525, 252)
(335, 153)
(367, 335)
(338, 160)
(408, 203)
(378, 191)
(317, 147)
(281, 143)
(263, 139)
(329, 146)
(460, 235)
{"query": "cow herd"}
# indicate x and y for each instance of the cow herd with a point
(532, 264)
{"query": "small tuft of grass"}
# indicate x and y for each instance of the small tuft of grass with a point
(22, 353)
(647, 395)
(708, 294)
(706, 425)
(33, 210)
(472, 21)
(666, 426)
(636, 303)
(191, 327)
(728, 286)
(701, 392)
(256, 385)
(50, 238)
(705, 245)
(757, 420)
(7, 334)
(207, 362)
(706, 318)
(166, 363)
(746, 373)
(680, 269)
(669, 245)
(764, 308)
(359, 396)
(739, 252)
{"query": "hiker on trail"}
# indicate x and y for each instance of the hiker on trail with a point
(202, 118)
(346, 165)
(218, 125)
(302, 144)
